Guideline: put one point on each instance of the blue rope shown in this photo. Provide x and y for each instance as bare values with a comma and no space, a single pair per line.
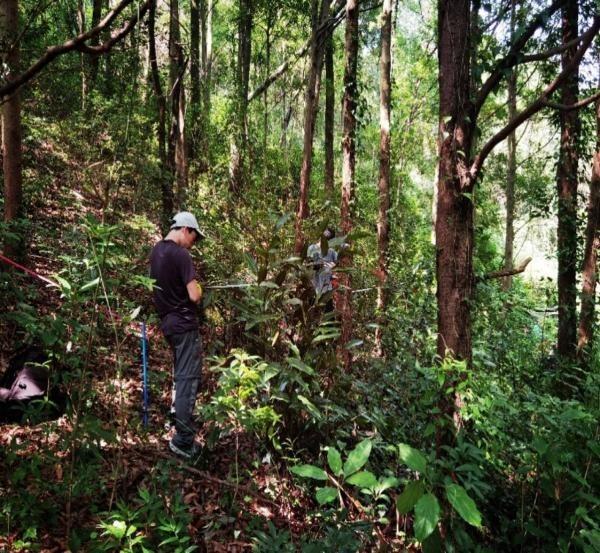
144,375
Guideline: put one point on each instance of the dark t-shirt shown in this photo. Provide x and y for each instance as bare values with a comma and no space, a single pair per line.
172,268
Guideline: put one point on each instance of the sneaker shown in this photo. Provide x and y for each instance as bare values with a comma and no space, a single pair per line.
185,453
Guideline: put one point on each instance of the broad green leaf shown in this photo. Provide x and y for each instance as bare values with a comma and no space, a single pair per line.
326,495
364,479
412,457
387,482
300,365
540,445
334,460
408,498
309,471
357,457
427,515
269,284
64,284
463,504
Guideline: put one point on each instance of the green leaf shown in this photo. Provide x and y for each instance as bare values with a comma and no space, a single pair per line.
309,471
300,365
310,407
334,460
354,344
357,457
364,479
412,457
90,284
427,515
408,498
433,543
463,504
326,495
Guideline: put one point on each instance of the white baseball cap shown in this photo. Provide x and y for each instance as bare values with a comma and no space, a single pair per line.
186,219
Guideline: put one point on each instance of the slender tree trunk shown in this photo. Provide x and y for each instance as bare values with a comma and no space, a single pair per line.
195,94
206,8
271,18
95,60
511,170
311,106
108,84
383,224
82,61
348,173
161,106
567,197
240,135
177,154
11,122
590,257
329,115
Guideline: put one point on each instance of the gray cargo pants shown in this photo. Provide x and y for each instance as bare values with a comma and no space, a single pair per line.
187,363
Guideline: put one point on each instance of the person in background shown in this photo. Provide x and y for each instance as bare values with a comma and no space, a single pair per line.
323,259
176,296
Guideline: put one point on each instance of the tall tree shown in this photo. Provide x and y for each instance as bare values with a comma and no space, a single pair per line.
206,12
329,115
11,118
460,166
240,134
590,257
195,92
176,151
348,172
161,108
511,163
383,223
311,105
566,182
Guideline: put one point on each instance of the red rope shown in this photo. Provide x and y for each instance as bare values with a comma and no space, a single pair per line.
26,270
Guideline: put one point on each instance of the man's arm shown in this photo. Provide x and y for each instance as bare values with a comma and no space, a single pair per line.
194,291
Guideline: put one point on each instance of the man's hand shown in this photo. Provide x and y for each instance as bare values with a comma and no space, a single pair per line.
194,291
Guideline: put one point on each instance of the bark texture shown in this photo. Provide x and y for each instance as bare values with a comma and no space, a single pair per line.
454,218
11,119
329,115
590,257
348,173
566,181
195,95
383,223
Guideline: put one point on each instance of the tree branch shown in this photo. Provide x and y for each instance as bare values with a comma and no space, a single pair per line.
76,43
540,56
327,27
511,57
578,105
506,272
537,105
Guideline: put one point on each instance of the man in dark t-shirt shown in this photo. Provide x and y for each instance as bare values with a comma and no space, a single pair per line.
176,295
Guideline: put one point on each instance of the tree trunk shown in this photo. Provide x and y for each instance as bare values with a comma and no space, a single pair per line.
348,174
240,134
567,196
383,224
311,105
454,218
177,155
195,96
590,257
82,61
11,123
95,60
511,169
161,105
329,115
206,8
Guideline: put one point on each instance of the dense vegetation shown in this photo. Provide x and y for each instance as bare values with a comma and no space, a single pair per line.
450,402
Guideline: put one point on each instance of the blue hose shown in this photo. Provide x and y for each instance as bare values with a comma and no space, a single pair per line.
144,376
